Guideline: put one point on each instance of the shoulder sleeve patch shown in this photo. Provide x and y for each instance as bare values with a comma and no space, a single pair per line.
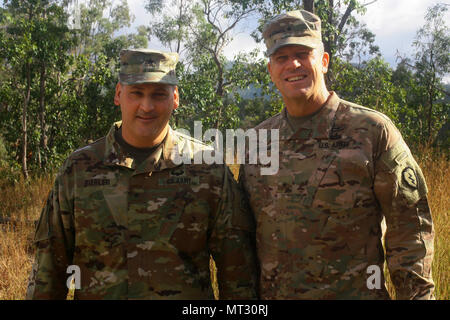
400,163
409,177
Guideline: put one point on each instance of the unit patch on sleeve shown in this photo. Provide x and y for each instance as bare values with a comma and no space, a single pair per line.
409,177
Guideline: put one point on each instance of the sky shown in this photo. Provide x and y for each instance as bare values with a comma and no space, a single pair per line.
394,23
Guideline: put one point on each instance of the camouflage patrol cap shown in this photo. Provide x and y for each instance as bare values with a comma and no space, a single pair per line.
295,27
147,66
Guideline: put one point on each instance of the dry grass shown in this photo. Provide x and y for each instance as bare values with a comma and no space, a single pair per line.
24,201
436,168
20,205
15,259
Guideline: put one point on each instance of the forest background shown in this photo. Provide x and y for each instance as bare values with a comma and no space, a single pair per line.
59,67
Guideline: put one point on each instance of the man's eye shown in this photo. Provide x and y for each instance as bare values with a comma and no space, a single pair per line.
303,55
138,93
281,58
160,95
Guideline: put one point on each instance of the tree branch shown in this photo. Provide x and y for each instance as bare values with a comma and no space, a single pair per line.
348,11
207,12
367,4
308,5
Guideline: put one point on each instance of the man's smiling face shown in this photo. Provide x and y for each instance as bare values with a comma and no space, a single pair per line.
146,109
298,71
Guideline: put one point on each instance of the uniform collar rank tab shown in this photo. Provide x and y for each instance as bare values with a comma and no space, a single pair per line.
318,128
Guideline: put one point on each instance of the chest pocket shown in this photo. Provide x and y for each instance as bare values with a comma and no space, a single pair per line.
154,211
347,183
319,168
176,214
283,200
345,196
300,176
100,212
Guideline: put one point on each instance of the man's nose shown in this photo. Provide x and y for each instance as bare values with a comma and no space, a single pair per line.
146,104
295,62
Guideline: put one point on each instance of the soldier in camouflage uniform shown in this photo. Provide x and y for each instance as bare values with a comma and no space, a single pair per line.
136,223
343,167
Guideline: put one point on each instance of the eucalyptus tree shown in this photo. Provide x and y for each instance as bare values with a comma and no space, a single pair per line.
35,40
432,65
201,30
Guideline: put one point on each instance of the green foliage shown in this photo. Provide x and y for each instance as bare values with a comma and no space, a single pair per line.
265,101
368,85
9,171
3,153
423,99
171,27
432,63
200,101
208,82
72,74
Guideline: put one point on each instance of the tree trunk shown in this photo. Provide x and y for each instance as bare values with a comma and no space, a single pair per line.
430,114
308,5
24,123
180,15
43,142
431,94
332,38
220,87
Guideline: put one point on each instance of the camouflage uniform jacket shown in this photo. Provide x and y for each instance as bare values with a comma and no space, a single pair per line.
318,219
143,232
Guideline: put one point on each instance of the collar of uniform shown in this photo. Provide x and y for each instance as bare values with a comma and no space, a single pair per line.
113,152
173,143
163,157
160,159
317,127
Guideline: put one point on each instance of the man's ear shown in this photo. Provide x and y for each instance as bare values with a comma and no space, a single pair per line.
325,62
176,98
117,94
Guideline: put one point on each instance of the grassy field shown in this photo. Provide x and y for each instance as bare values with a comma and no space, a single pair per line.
20,206
437,174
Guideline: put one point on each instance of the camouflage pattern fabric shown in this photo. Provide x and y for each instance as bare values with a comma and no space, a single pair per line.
318,220
298,27
143,232
147,66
